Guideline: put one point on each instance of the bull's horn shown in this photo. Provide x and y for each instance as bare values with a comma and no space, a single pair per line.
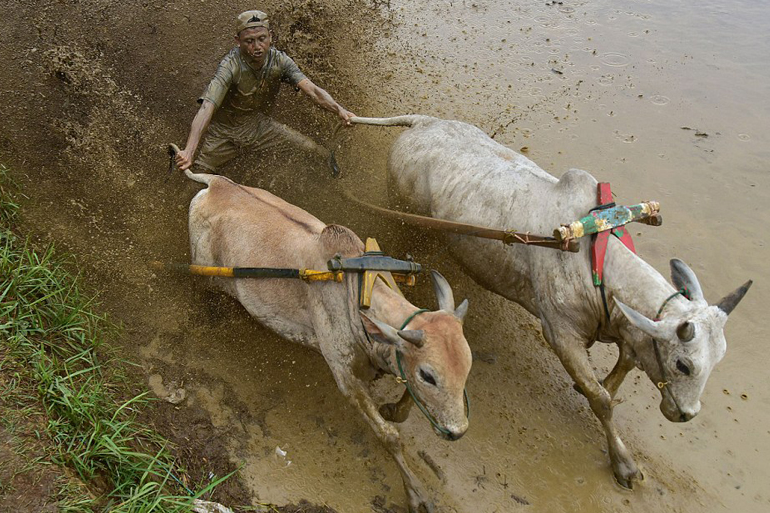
684,278
685,331
462,310
444,295
412,336
730,301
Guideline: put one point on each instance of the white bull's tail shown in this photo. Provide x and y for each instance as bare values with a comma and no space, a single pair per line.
408,120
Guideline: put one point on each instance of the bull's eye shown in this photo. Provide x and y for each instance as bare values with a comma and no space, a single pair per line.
681,367
427,378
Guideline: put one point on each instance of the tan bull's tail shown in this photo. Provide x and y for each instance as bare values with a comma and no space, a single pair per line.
408,120
205,178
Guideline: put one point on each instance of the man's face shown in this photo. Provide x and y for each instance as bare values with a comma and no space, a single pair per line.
254,43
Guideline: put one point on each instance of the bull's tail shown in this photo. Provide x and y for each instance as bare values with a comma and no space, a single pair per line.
205,178
408,120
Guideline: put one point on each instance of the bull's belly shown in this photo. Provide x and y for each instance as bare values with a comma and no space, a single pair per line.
278,304
497,268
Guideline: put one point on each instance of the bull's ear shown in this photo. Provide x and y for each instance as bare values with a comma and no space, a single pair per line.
444,295
380,331
462,310
729,302
654,329
684,278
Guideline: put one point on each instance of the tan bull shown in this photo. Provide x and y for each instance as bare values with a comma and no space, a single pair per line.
236,226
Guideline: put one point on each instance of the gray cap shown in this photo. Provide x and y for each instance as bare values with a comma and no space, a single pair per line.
249,19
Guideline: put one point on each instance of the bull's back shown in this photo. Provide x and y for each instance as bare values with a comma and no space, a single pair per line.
445,163
236,226
452,170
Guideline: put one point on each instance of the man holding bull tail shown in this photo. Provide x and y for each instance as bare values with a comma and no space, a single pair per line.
235,107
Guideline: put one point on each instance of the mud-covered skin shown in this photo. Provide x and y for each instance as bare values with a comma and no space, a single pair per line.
235,226
452,170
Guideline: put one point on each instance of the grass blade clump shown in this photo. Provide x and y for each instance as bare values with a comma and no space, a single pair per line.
52,342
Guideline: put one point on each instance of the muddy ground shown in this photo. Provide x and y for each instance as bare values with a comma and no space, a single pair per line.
93,90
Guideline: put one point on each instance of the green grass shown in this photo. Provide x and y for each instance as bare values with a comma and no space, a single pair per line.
57,364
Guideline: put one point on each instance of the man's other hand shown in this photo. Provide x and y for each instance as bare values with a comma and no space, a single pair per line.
345,116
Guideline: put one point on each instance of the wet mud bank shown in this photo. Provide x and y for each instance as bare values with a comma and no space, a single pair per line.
92,92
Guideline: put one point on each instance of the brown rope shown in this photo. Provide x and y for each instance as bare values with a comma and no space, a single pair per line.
506,236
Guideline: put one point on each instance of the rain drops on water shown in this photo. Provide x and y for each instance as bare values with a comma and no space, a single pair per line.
614,59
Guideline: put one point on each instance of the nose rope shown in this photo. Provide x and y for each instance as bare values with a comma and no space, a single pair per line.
411,392
664,384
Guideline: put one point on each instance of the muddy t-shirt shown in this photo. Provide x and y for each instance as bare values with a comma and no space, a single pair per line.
237,88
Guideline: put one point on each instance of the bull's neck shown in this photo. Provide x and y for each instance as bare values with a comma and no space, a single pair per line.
634,282
393,309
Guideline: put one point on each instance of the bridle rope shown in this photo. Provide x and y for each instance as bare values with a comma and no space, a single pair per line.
402,379
664,384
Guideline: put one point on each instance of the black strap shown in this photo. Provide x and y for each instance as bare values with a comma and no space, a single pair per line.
602,207
604,301
264,272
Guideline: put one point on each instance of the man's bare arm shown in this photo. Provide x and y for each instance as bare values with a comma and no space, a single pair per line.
324,100
184,159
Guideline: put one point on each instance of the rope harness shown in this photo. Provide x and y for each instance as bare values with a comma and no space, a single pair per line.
402,379
663,384
598,252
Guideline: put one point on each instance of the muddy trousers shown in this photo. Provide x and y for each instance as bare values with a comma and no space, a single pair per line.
229,138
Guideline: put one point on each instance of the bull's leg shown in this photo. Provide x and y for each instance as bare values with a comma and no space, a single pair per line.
358,394
618,373
570,350
397,412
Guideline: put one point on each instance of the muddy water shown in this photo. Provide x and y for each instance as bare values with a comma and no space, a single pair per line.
606,87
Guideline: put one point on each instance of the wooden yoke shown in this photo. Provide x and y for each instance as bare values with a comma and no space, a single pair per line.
366,283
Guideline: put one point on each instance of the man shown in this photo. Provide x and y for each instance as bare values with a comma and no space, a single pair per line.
235,107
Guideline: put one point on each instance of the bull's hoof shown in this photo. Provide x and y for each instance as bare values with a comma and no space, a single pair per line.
629,481
333,165
426,507
417,505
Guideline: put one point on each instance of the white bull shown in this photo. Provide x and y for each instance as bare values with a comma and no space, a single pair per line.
452,170
236,226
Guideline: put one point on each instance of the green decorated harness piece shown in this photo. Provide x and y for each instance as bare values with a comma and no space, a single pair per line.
608,219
